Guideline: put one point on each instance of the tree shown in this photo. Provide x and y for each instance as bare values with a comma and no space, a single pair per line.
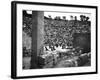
75,18
84,17
87,18
64,17
81,17
71,17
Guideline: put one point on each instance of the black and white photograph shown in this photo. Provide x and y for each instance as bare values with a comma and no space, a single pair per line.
53,39
56,39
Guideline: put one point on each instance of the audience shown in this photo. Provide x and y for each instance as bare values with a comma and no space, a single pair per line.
58,33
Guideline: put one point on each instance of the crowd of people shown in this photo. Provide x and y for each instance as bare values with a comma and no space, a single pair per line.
59,31
58,36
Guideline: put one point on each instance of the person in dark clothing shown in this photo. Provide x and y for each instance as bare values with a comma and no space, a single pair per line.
82,60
